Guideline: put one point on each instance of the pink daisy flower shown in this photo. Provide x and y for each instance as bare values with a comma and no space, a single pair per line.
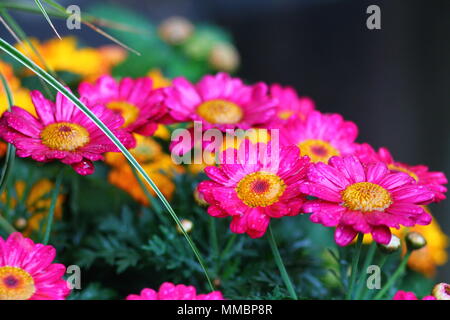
170,291
221,102
366,199
61,132
139,105
407,295
289,105
27,271
320,136
254,189
433,180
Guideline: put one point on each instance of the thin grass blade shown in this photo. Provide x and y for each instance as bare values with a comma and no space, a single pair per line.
38,3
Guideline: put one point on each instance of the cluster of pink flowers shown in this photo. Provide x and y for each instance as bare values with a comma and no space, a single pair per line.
320,168
170,291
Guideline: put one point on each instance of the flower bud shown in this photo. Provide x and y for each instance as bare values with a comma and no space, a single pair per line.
414,241
175,30
441,291
187,225
224,57
199,198
217,282
392,246
20,223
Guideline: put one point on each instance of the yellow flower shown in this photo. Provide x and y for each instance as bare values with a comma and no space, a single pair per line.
204,159
147,150
200,161
21,96
254,135
124,178
64,55
159,81
37,203
162,132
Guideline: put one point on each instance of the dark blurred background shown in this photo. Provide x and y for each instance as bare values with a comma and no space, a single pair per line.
394,82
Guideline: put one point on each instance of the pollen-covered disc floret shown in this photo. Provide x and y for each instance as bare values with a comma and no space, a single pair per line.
15,284
252,190
135,100
220,101
64,136
366,197
170,291
318,150
260,189
62,132
218,111
357,198
27,271
320,136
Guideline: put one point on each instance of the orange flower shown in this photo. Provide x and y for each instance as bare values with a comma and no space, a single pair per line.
158,165
124,178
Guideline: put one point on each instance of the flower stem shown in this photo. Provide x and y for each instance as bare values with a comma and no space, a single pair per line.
280,264
228,246
51,210
369,257
355,265
366,293
393,278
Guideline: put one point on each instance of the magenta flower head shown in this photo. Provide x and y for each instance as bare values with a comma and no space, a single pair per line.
220,102
320,136
170,291
61,132
435,181
134,100
357,198
289,105
407,295
252,189
27,271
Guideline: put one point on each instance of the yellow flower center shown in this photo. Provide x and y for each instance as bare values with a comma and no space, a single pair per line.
393,167
128,111
64,136
260,189
317,150
15,284
220,111
366,197
285,114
